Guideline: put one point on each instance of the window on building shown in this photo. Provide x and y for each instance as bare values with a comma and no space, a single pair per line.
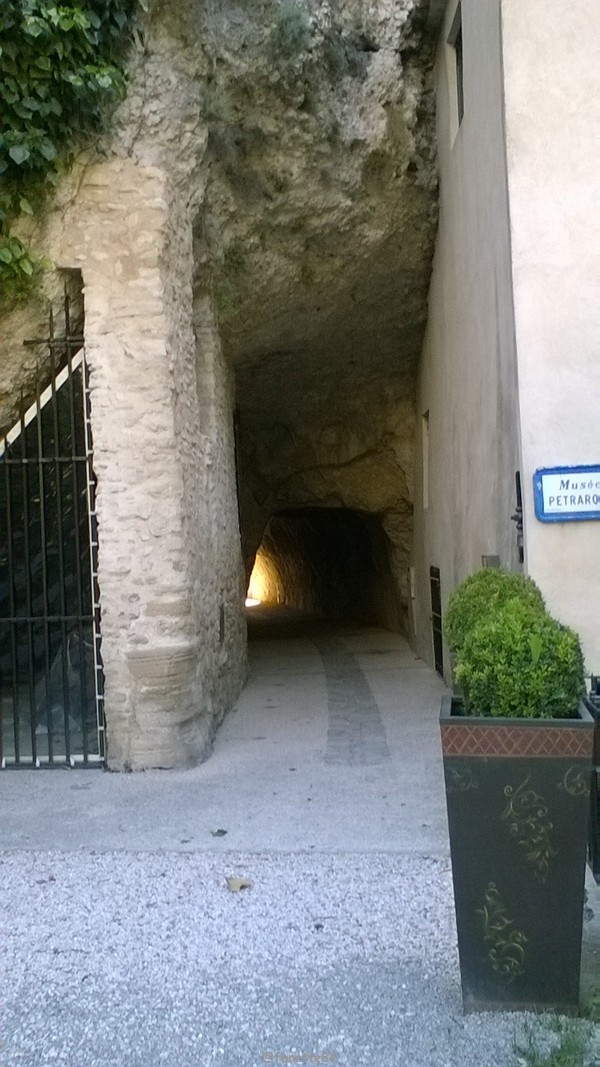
455,40
436,619
425,457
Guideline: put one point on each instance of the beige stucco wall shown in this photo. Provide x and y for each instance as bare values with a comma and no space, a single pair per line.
467,380
552,64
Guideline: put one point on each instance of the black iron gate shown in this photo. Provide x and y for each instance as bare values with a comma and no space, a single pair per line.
50,668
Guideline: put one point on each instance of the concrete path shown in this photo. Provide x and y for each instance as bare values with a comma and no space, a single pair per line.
122,944
332,746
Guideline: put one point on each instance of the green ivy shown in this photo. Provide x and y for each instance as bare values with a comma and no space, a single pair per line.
62,68
17,267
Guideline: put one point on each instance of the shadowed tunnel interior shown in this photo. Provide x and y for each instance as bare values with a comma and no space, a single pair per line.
329,563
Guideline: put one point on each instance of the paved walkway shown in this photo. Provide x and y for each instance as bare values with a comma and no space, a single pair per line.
332,746
123,947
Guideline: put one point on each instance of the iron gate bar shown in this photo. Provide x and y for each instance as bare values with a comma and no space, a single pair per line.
45,396
75,486
30,659
25,566
48,461
45,601
61,566
435,590
49,618
13,637
90,488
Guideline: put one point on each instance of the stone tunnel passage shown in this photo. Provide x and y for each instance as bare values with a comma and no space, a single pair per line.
329,563
293,195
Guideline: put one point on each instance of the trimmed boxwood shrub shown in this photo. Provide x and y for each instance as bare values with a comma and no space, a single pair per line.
483,593
519,662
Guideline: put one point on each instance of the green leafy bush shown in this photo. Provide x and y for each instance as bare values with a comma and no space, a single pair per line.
518,661
483,593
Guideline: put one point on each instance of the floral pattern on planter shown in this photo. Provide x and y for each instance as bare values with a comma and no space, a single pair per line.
575,782
527,817
461,781
503,941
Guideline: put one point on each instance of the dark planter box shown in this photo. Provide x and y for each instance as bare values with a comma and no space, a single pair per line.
518,796
593,704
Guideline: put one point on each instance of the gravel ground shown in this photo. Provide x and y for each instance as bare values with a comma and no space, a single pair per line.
140,959
123,947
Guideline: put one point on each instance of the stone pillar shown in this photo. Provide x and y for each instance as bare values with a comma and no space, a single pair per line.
133,240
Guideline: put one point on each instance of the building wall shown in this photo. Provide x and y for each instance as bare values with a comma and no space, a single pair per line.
551,63
467,380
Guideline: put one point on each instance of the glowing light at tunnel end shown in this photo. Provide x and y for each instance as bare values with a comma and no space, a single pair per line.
259,582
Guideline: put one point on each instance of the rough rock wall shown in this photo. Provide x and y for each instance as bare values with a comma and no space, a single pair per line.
214,519
318,223
319,206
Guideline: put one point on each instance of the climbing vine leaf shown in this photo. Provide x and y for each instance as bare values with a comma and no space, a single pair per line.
62,68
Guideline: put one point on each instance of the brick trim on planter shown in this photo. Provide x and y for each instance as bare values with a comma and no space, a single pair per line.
466,736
